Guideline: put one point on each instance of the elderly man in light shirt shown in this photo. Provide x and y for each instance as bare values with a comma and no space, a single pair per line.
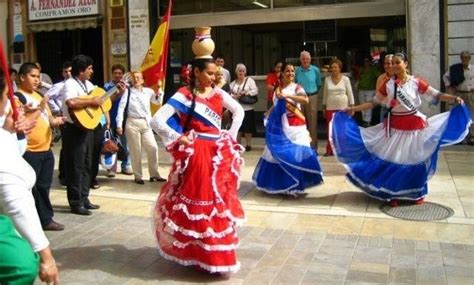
462,85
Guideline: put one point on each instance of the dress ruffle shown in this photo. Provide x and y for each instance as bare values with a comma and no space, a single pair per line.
198,208
396,166
288,164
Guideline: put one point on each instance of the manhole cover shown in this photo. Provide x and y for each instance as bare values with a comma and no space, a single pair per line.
425,212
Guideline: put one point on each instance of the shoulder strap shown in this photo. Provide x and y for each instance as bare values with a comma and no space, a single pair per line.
21,97
245,82
128,100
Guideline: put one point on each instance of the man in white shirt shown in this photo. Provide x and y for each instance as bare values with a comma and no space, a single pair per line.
78,142
55,101
56,93
459,80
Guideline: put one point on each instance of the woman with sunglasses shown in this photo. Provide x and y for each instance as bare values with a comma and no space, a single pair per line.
394,160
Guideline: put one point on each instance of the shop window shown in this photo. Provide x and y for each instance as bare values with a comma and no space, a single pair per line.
183,7
295,3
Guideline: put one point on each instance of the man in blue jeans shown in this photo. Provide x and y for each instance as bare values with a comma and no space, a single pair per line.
309,77
118,71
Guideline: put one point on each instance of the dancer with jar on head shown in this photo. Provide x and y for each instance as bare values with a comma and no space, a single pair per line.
394,160
198,208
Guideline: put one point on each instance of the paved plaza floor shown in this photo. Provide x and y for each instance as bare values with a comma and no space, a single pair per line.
334,235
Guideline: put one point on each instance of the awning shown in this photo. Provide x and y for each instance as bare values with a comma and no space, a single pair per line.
65,24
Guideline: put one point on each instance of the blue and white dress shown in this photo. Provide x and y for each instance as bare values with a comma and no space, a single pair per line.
395,159
288,164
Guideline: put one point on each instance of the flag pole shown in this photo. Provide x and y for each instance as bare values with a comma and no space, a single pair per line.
8,82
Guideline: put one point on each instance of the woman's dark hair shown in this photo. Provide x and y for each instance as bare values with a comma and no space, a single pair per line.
80,63
201,64
66,65
26,67
275,64
402,55
283,67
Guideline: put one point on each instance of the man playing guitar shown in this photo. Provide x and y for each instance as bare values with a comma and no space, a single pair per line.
78,142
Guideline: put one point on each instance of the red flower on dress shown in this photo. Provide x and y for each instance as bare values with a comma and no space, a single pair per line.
393,103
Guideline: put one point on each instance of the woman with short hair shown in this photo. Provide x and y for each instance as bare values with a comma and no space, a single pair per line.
240,87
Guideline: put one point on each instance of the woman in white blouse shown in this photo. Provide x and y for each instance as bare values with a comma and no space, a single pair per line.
245,86
337,95
135,106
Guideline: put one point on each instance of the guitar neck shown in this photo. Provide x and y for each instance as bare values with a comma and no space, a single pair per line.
109,93
114,89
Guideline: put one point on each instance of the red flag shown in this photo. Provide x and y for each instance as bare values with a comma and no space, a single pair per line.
155,62
6,74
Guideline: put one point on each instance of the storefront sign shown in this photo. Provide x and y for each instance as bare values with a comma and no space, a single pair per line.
51,9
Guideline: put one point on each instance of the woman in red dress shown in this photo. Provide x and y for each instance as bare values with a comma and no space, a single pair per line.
198,208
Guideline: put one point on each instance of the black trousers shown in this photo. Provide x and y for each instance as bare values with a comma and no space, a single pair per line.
98,138
43,164
62,166
78,144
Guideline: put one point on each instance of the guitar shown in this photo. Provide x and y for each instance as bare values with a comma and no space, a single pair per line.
89,117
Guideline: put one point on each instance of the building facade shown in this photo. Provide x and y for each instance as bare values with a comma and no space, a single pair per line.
255,33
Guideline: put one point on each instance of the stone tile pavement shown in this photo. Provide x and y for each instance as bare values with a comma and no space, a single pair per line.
334,235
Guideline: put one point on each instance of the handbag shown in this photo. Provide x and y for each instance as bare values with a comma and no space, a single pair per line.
247,99
122,153
109,146
108,160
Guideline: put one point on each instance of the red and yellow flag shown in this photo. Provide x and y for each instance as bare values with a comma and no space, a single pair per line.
155,62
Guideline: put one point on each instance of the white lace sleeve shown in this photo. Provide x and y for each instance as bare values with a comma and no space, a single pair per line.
160,126
237,113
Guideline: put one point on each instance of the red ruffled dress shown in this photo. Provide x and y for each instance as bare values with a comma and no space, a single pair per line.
198,208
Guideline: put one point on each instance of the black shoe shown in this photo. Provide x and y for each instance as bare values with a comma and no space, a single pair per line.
91,206
248,148
79,210
157,179
53,226
139,181
95,185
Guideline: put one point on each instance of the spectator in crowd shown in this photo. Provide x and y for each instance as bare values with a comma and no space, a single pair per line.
13,75
337,95
221,62
118,72
245,86
273,77
38,152
45,81
133,120
308,76
366,85
18,263
55,100
459,80
383,79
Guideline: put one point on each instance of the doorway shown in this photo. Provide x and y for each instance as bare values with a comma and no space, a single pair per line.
54,48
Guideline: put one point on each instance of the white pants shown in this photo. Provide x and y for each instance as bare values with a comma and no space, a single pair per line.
366,96
140,136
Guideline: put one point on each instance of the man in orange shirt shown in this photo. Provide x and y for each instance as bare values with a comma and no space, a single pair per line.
38,152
